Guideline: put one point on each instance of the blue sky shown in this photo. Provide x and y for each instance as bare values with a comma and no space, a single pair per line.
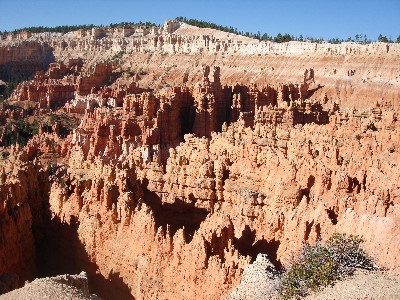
334,18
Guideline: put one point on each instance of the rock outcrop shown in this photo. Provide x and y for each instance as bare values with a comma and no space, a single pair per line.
354,75
174,181
20,59
59,287
259,281
23,193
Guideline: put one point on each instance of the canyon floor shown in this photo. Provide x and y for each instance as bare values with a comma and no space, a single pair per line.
161,160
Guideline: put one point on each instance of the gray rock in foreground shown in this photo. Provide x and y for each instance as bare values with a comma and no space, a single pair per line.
259,280
59,287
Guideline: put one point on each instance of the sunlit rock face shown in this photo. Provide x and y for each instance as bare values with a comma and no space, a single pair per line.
193,151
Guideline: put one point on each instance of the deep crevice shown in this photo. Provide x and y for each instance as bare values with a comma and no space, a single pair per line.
333,216
247,245
177,215
61,252
309,226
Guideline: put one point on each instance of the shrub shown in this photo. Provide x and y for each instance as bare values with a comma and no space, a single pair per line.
5,154
348,253
321,265
21,134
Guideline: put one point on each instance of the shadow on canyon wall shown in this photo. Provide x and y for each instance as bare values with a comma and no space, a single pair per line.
22,68
176,215
247,245
61,252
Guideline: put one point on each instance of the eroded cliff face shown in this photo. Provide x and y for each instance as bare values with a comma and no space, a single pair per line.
354,75
23,191
169,192
22,60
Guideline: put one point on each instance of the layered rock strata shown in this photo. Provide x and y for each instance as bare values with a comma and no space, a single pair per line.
169,192
355,75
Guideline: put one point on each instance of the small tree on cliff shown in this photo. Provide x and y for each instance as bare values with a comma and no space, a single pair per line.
382,38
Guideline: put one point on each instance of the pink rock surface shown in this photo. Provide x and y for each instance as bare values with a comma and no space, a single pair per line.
175,180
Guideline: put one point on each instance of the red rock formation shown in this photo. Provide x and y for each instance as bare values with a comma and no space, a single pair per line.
91,83
169,192
23,58
279,183
47,89
60,83
22,191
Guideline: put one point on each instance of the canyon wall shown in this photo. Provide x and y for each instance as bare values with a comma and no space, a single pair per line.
220,201
24,193
21,60
188,164
354,75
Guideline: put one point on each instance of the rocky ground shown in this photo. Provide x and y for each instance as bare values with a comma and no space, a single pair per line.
60,287
260,281
363,285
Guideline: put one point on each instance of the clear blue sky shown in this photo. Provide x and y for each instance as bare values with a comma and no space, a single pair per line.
316,18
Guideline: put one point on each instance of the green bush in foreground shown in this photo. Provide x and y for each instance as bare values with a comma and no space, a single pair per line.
320,265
